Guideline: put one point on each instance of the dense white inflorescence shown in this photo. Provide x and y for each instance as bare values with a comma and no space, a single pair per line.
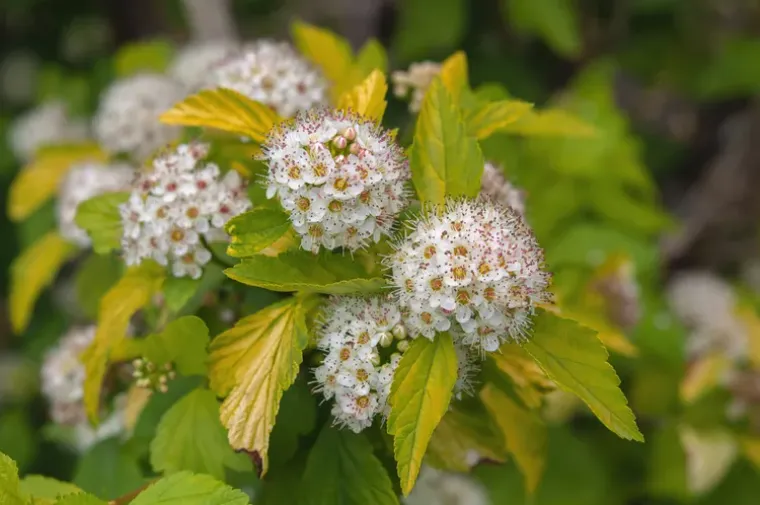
340,176
195,64
127,117
48,124
475,270
274,74
84,181
176,206
437,487
63,376
417,80
496,187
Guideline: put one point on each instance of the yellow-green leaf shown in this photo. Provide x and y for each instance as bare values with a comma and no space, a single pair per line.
445,160
252,364
494,116
704,375
10,494
226,110
144,56
529,381
368,97
523,431
100,217
45,490
133,291
550,123
454,75
372,56
328,51
39,180
574,358
750,446
420,396
31,271
255,230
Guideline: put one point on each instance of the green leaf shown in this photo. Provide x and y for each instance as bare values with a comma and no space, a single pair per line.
184,488
445,161
367,98
252,364
342,469
95,277
149,56
190,437
426,26
45,490
255,230
732,72
328,51
372,56
574,358
296,417
107,471
183,342
555,21
100,217
79,499
303,271
420,396
184,295
10,494
491,117
18,438
550,123
31,271
158,405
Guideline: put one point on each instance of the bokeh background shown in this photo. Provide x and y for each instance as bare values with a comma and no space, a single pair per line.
668,187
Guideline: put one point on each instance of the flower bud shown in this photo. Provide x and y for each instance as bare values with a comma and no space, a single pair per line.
399,331
340,142
386,339
402,346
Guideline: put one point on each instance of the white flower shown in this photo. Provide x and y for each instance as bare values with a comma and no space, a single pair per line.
353,374
196,63
475,269
176,206
127,117
274,74
84,181
495,186
339,175
417,79
48,124
63,375
437,487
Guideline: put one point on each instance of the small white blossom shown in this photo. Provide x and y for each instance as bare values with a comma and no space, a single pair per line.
46,125
196,63
353,373
274,74
495,186
176,206
127,117
63,376
340,176
84,181
437,487
475,270
417,79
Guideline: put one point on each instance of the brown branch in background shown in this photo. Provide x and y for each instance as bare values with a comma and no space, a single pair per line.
124,500
210,20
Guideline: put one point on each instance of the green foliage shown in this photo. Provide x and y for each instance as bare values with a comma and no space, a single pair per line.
183,343
107,471
100,217
252,232
149,56
95,277
429,25
9,483
555,21
185,488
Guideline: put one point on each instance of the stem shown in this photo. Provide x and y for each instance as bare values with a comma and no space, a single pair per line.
123,500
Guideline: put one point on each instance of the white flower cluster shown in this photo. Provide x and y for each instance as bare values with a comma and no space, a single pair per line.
48,124
354,372
437,487
706,304
417,79
127,117
84,181
194,65
496,187
475,270
63,376
176,205
341,177
274,74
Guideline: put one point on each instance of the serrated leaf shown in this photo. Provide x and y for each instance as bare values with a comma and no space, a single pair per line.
93,280
185,488
252,364
550,123
255,230
328,51
420,396
455,77
78,499
39,180
445,161
100,218
108,471
342,468
45,490
493,116
523,430
10,493
226,110
574,358
372,56
368,97
35,268
130,294
190,437
147,56
528,379
303,271
183,342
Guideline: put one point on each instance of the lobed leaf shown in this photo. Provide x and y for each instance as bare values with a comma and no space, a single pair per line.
574,358
420,396
185,488
226,110
491,117
100,218
255,230
10,492
45,490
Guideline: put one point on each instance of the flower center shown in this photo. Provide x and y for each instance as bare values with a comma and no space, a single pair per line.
429,252
294,172
320,170
460,250
345,353
363,337
484,268
340,184
459,273
489,294
463,297
316,230
362,402
177,235
426,317
303,203
335,206
436,284
192,212
362,375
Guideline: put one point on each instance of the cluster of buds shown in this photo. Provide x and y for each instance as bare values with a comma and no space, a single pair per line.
148,375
